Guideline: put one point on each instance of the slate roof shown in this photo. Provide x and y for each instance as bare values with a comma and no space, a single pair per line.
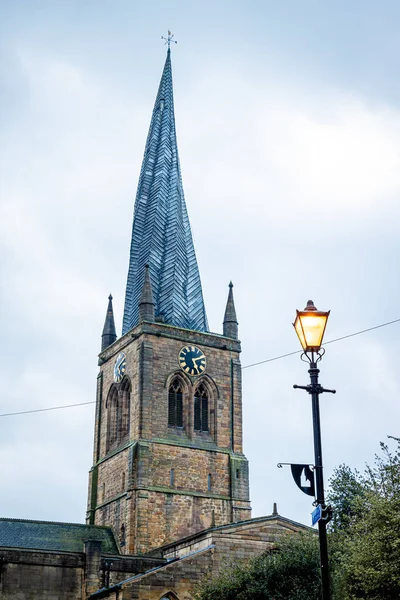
46,535
161,234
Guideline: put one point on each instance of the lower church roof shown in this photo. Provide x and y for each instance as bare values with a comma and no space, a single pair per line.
48,535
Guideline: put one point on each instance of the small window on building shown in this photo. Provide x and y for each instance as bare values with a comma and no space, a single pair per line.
172,477
209,481
122,535
103,492
175,404
201,409
237,474
123,482
169,596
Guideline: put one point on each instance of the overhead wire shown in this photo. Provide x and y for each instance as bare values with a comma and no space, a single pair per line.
26,412
343,337
261,362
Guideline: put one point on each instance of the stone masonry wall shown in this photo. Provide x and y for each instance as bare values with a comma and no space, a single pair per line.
164,517
191,469
113,477
244,542
175,580
40,575
176,479
151,359
28,575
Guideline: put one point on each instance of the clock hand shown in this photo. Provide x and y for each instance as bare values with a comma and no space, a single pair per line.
201,358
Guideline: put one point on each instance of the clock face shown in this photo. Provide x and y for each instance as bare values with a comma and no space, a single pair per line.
192,360
119,367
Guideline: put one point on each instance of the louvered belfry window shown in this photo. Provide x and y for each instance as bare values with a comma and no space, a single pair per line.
175,404
201,409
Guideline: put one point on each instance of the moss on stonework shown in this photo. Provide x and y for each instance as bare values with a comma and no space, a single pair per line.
46,535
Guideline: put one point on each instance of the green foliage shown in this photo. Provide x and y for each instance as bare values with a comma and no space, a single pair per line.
365,543
371,565
346,496
384,477
288,572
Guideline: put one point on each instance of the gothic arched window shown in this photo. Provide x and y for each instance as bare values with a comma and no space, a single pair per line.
201,408
125,409
169,596
175,404
112,418
118,414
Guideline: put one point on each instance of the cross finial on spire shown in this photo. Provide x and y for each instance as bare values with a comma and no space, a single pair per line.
169,39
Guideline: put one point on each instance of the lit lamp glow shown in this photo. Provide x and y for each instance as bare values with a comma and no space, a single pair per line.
310,327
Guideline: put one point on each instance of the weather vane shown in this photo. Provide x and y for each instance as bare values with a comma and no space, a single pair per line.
169,39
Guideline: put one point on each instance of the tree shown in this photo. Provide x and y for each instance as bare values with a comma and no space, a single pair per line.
365,543
290,571
346,496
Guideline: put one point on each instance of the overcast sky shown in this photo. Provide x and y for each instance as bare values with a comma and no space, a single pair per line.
288,122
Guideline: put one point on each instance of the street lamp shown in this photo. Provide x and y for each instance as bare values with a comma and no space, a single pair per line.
310,327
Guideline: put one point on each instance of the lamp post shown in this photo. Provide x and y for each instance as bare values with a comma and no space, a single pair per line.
310,327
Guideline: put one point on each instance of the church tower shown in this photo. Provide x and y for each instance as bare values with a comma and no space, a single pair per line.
168,458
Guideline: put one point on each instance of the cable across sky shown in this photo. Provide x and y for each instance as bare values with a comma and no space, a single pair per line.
261,362
344,337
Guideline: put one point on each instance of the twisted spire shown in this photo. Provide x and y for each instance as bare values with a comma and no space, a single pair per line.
146,304
161,235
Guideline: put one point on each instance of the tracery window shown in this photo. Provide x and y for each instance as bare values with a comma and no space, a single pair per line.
118,414
112,418
201,408
175,404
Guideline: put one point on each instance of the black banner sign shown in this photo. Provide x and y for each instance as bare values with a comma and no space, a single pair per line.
304,478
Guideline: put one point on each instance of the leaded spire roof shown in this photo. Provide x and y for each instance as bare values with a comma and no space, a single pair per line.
161,235
146,302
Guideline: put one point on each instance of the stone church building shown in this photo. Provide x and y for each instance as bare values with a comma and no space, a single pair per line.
168,498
